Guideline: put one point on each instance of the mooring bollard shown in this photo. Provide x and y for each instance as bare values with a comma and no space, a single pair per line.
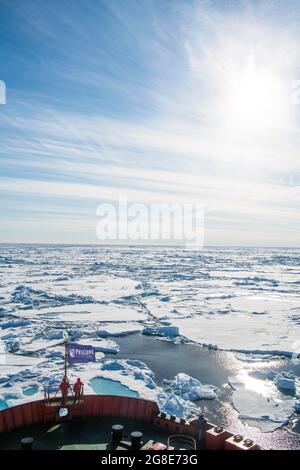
117,433
136,440
27,443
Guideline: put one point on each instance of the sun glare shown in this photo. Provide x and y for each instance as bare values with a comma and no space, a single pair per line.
255,98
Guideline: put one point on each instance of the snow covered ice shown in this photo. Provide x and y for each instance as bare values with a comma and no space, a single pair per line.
262,412
170,331
171,404
264,398
190,388
242,300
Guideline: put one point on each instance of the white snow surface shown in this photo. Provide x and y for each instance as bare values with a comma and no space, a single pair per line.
87,312
237,299
161,331
242,299
171,404
189,388
284,381
263,412
101,344
264,398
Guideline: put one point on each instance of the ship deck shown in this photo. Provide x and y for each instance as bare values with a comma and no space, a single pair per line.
93,433
88,425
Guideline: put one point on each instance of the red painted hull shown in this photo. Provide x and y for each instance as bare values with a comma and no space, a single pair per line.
116,406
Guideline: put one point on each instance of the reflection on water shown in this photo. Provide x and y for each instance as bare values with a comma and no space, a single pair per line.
212,367
265,388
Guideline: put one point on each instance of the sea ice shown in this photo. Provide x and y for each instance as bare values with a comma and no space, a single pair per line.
40,345
96,286
284,383
92,294
260,411
189,388
107,346
122,329
132,373
172,404
259,402
14,324
161,331
137,369
87,312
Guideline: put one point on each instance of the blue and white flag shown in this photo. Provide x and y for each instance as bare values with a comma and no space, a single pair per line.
80,353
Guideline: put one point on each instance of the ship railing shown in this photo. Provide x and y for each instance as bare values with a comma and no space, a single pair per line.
52,395
181,441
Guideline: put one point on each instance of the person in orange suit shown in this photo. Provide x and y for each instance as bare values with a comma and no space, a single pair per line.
78,389
64,388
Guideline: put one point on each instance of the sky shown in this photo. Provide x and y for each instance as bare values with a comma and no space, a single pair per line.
156,101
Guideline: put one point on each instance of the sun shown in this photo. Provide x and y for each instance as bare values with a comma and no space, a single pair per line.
255,97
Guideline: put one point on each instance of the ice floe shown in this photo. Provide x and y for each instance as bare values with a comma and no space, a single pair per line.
284,381
189,388
259,397
119,329
87,312
107,346
161,331
242,300
97,287
172,404
30,297
260,411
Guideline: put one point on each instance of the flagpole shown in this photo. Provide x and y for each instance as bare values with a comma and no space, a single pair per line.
66,353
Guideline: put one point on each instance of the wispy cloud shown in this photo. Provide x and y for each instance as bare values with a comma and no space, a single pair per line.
138,101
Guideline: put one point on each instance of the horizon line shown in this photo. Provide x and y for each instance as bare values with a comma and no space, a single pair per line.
116,245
